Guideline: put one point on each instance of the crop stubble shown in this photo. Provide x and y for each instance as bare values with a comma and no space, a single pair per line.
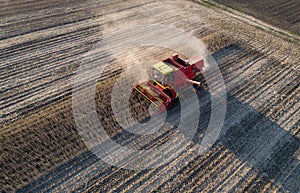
38,132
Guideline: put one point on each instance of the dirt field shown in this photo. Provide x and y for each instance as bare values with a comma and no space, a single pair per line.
41,44
282,13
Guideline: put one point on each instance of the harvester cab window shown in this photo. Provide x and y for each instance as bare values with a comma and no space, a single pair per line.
158,75
169,79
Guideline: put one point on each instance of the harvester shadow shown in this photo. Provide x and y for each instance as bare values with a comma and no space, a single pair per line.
264,146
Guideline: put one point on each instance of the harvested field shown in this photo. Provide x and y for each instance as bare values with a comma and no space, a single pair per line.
41,45
282,13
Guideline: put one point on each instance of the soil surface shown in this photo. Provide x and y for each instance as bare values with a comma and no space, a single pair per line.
41,46
282,13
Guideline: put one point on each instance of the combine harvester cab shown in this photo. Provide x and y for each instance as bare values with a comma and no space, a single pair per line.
168,76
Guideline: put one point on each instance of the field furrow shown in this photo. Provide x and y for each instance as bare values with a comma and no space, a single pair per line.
42,47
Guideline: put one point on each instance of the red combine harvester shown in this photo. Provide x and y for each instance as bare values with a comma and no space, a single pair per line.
168,76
